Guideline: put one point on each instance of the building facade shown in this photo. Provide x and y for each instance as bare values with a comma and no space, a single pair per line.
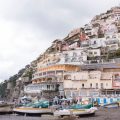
93,83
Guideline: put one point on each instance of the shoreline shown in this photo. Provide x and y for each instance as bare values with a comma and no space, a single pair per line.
101,114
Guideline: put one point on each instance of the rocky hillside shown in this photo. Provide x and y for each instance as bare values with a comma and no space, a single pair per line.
13,87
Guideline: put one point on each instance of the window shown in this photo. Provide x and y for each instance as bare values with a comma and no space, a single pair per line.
96,85
57,48
90,53
101,85
44,73
65,55
48,86
90,85
82,85
94,42
74,54
95,52
40,74
107,37
53,86
114,36
106,84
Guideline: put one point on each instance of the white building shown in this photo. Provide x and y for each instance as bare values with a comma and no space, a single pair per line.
38,88
94,52
97,42
76,57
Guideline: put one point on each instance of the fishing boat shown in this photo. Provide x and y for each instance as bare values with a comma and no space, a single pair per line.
79,110
81,106
38,108
32,111
111,105
6,108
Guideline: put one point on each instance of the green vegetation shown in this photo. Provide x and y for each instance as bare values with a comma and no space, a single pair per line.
3,87
12,79
115,54
28,73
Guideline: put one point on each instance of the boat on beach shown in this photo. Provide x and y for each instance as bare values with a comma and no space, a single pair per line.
111,105
38,108
79,110
6,108
32,111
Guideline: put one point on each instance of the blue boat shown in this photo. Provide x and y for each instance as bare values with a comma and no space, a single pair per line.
111,105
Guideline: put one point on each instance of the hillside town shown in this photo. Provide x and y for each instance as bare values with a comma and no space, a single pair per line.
81,69
84,63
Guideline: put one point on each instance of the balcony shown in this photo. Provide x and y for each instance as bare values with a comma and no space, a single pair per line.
37,88
80,79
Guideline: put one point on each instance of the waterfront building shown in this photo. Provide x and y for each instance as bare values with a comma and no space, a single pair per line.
48,81
93,82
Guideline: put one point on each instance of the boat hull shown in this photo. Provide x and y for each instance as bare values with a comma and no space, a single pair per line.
111,105
32,111
6,110
78,112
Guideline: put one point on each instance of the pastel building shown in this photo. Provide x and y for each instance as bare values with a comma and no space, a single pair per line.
74,57
97,43
91,82
48,81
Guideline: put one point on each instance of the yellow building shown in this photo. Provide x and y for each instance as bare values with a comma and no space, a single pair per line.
44,74
50,80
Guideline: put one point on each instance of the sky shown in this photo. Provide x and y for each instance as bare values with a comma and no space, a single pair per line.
27,27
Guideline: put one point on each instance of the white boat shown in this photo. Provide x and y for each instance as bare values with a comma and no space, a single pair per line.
78,112
32,111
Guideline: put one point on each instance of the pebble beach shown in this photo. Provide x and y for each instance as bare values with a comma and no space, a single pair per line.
101,114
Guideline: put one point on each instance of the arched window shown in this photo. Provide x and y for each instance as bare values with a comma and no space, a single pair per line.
82,85
96,85
90,85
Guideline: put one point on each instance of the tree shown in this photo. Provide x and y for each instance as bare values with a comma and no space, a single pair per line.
117,53
3,87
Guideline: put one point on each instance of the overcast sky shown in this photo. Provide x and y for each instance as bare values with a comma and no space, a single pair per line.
27,27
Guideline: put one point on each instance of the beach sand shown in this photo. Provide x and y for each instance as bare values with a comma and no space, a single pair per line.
101,114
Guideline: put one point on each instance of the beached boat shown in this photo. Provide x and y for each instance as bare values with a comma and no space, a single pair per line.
78,112
32,111
76,109
81,106
38,108
6,108
111,105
